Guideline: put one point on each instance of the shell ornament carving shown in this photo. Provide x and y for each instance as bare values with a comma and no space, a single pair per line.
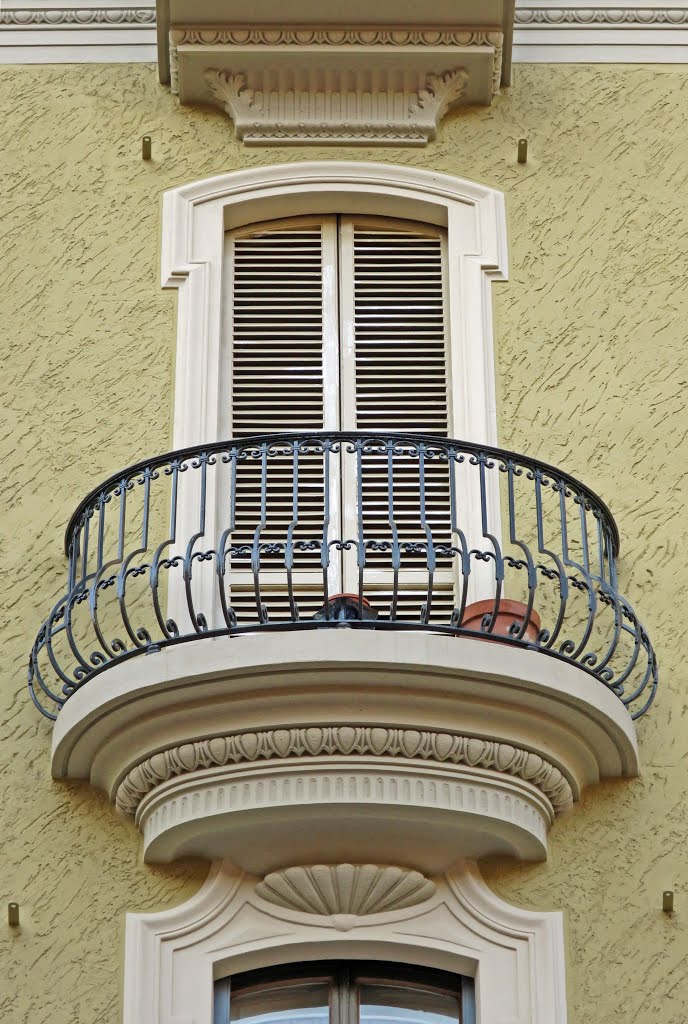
349,889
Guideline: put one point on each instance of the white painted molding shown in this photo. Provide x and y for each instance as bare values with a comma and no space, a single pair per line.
70,32
440,747
263,815
392,114
591,32
195,217
545,31
515,955
373,85
358,889
213,742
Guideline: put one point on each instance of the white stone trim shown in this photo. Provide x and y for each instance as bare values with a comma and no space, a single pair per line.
195,217
292,79
261,815
354,889
515,955
398,115
344,740
456,718
67,32
637,31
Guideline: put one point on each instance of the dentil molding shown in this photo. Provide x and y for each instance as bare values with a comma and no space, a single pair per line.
453,922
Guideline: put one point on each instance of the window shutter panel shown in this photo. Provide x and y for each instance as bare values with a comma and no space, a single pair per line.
284,368
395,377
297,364
399,330
277,330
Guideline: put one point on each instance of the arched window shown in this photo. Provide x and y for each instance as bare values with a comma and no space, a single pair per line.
345,992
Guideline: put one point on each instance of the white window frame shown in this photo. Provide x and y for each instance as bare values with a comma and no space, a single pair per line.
195,219
516,956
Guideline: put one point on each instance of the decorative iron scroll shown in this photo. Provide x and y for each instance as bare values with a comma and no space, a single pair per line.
264,533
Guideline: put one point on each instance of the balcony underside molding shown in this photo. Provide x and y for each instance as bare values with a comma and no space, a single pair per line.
358,809
365,85
342,740
343,744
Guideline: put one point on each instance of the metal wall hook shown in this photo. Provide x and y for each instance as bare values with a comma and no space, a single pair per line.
668,901
146,147
13,915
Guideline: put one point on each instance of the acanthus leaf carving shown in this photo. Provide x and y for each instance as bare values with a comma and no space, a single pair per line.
346,107
440,93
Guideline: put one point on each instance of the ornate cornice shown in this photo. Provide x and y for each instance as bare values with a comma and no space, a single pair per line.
357,889
228,35
348,741
585,17
374,85
74,17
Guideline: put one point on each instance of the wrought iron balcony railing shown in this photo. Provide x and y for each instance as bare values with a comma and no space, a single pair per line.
314,531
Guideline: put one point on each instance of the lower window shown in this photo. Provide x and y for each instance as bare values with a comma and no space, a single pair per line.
345,992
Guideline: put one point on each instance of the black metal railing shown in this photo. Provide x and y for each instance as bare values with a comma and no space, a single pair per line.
307,531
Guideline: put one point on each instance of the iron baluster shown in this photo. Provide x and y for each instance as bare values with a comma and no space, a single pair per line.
325,542
513,537
482,462
139,637
255,551
228,613
430,560
72,645
562,580
289,549
396,550
360,543
168,627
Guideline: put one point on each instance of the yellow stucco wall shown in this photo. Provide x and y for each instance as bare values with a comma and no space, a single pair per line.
590,334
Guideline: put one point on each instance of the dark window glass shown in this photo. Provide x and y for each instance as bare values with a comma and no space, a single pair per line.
328,992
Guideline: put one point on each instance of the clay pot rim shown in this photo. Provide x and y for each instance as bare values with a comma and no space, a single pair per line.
354,597
506,607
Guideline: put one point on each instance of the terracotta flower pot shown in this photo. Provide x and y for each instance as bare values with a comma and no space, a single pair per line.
350,597
345,608
508,613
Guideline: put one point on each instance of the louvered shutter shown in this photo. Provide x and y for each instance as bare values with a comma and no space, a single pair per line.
338,323
282,307
395,377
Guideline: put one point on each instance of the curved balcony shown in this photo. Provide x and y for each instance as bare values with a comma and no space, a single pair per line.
312,604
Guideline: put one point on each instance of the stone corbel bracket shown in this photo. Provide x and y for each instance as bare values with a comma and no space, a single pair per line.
353,113
356,86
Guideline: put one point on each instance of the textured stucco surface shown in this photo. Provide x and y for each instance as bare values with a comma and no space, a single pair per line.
590,334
